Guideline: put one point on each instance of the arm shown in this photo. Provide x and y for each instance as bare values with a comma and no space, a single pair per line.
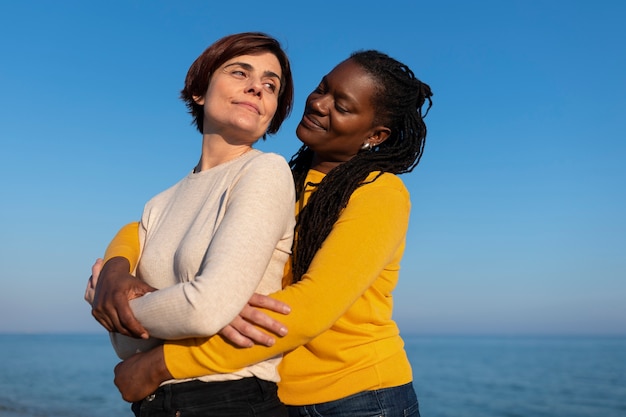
371,228
125,246
242,331
257,220
369,231
115,285
141,374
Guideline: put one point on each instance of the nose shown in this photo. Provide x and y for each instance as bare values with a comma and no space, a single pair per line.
255,86
319,104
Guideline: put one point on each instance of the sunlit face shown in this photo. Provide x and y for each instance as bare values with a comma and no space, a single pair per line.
242,98
339,114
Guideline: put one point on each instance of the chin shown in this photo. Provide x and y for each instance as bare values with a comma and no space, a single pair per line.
304,133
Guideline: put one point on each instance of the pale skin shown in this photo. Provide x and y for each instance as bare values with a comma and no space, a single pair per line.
239,104
243,331
160,370
337,122
240,331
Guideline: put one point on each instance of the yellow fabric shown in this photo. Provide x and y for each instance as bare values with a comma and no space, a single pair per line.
125,244
342,339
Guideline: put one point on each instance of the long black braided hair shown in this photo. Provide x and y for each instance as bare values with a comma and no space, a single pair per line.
398,102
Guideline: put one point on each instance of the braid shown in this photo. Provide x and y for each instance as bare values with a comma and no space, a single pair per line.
398,104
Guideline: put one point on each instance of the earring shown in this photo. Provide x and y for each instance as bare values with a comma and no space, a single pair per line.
366,146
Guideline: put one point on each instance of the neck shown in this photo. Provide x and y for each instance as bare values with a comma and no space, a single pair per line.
216,151
324,166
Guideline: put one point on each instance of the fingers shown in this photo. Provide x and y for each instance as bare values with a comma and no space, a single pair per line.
263,301
96,268
141,374
90,290
243,334
129,322
116,316
233,336
138,288
105,313
103,320
259,318
114,287
93,280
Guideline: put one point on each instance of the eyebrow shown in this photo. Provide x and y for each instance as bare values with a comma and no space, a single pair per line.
342,95
249,67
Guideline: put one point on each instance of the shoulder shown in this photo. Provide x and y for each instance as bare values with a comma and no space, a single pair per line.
270,165
267,170
386,181
386,192
267,159
380,194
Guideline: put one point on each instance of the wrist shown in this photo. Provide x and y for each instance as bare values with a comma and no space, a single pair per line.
159,371
117,264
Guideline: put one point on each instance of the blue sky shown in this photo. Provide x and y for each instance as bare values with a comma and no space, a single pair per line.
518,223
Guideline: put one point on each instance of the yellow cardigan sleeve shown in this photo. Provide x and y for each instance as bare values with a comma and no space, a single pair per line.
364,239
125,244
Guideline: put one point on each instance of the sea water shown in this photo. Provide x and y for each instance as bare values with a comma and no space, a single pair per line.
519,376
470,376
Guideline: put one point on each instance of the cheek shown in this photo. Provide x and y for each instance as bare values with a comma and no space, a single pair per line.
348,135
271,109
347,127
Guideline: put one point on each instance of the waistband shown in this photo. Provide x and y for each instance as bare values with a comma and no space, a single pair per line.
214,390
218,395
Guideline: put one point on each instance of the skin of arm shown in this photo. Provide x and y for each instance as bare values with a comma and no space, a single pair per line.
259,212
124,250
116,286
376,224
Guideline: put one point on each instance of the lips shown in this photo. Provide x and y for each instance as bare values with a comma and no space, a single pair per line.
253,107
311,122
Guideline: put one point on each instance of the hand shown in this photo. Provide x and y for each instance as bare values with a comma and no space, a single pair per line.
141,374
114,287
93,280
242,331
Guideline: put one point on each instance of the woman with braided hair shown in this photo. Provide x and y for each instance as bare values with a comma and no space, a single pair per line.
362,127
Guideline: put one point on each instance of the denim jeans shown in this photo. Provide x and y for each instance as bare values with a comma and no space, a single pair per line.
388,402
244,397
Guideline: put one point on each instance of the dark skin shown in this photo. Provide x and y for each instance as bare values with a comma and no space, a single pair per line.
136,386
110,302
112,285
338,118
337,121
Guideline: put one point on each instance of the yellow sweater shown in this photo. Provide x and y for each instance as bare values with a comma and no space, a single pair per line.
342,339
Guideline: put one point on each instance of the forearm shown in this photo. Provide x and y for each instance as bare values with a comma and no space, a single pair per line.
320,299
116,287
203,356
125,244
141,374
314,311
243,255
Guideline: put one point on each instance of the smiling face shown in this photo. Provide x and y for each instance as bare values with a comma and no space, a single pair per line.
242,98
339,116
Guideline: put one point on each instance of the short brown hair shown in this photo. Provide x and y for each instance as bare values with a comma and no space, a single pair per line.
247,43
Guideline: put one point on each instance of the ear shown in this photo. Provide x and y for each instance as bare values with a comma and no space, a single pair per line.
380,134
199,100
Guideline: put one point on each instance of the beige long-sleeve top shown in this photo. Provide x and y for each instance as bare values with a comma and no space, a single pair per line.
208,243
